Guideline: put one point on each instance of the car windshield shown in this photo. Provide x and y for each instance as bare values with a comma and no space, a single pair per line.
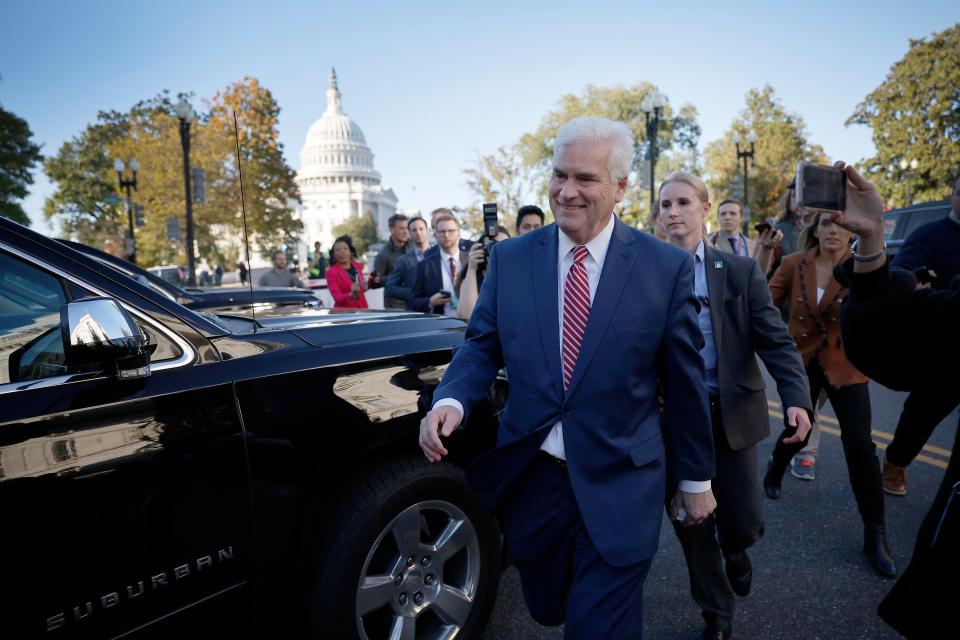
889,224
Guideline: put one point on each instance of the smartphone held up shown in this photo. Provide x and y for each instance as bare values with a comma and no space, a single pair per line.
821,188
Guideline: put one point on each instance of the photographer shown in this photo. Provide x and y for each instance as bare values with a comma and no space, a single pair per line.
470,277
884,303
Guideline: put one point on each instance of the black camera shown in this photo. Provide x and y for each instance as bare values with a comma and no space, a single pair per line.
489,227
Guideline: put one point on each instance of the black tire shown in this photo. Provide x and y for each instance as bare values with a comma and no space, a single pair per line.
364,535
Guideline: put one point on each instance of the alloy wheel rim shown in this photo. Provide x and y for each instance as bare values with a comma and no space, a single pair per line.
420,578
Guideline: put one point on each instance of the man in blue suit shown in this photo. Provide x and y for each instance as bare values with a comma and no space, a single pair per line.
592,319
434,285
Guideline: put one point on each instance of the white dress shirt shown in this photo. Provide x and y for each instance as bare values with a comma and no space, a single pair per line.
597,250
450,308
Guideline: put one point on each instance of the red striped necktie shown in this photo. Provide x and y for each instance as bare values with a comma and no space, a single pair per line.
576,310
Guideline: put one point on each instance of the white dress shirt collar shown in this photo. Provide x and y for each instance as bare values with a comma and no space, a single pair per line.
596,247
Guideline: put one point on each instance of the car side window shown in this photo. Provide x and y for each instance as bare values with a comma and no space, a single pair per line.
889,224
30,344
920,218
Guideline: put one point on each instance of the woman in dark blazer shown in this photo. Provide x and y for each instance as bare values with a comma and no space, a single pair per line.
805,279
345,276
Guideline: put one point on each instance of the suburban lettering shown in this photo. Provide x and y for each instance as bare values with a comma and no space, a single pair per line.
55,622
138,589
78,616
131,595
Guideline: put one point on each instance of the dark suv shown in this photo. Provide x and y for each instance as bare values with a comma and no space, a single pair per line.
169,471
898,224
217,299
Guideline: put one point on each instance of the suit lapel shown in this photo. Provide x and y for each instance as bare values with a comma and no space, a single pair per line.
547,305
716,290
616,268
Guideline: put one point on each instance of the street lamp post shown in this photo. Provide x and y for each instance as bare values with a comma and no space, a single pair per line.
912,165
185,113
745,155
130,185
652,106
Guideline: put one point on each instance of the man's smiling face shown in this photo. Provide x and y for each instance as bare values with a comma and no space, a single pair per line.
582,191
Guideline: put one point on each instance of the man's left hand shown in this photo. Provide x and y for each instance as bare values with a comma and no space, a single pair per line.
797,417
697,505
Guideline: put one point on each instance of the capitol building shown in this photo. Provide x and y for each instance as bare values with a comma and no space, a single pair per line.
337,180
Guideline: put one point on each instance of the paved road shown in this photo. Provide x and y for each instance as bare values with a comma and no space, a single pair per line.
811,580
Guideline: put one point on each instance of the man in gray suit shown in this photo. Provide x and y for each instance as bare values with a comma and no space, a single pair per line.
739,322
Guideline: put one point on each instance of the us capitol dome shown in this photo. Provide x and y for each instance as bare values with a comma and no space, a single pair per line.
337,180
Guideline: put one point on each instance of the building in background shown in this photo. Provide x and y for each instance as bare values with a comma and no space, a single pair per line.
337,180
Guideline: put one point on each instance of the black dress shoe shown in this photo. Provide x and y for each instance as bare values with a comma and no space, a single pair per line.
875,548
739,572
716,634
771,481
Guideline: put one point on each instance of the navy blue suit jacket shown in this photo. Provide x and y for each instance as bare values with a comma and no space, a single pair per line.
429,281
642,332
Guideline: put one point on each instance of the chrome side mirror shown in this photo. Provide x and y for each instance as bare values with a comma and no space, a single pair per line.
99,333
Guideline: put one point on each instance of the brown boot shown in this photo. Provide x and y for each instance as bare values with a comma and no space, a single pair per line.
894,479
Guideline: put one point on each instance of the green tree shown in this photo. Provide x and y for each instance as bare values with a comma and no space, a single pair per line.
87,205
677,137
915,115
18,155
781,143
361,229
499,177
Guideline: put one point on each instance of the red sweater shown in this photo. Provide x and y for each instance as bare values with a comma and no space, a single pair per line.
339,283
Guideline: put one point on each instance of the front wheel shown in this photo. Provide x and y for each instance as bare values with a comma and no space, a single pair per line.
412,556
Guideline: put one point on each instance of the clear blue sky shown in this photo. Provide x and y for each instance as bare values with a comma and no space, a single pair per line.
433,83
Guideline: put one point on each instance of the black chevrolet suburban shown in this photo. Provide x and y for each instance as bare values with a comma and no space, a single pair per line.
165,470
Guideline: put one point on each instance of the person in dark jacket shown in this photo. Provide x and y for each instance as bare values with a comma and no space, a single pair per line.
933,247
884,302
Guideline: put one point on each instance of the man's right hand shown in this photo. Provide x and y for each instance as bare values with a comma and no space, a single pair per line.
440,421
438,300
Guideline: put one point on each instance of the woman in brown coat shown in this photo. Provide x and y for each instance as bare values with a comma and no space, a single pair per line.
805,279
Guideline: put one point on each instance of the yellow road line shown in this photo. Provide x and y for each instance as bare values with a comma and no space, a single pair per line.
880,434
883,445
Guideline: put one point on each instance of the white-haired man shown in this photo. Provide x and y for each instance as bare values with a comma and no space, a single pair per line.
578,474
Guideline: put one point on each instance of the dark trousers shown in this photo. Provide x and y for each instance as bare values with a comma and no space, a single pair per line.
851,403
564,578
735,525
922,603
923,410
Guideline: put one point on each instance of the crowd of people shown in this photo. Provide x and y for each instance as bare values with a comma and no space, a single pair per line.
648,386
667,401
